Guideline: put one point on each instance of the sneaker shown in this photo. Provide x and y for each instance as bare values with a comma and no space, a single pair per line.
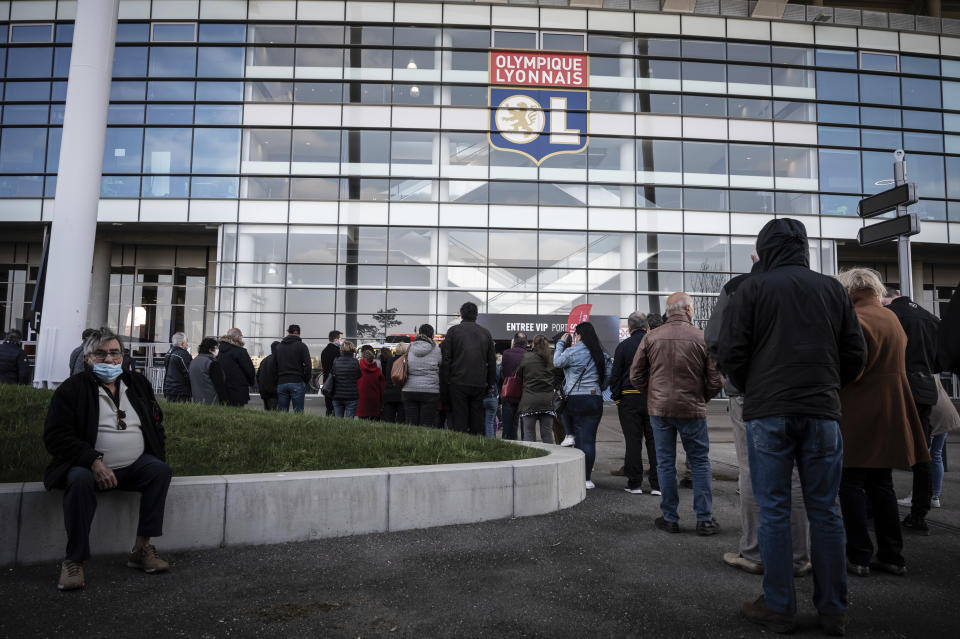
916,524
71,575
667,526
744,564
147,560
634,491
567,441
893,569
620,472
590,485
707,528
758,613
857,569
935,501
655,492
906,501
802,570
833,625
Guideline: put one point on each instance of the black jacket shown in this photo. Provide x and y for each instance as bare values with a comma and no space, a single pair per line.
293,361
792,339
346,369
327,356
714,329
237,366
922,328
76,360
469,356
949,336
73,418
176,379
267,376
622,358
391,393
13,364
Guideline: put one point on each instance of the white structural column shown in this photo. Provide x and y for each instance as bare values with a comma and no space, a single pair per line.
74,231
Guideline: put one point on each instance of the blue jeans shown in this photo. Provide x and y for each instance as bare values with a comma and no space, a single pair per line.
490,403
693,436
291,391
584,413
816,446
345,408
508,420
936,463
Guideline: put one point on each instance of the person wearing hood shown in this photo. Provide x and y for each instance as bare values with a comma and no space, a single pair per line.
790,343
370,385
328,356
392,410
267,379
293,370
176,365
237,366
208,383
421,391
13,361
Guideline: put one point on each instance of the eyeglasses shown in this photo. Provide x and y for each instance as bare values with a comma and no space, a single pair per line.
99,356
121,415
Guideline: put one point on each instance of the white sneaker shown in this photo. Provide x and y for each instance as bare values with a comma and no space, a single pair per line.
568,441
656,493
590,485
633,491
935,501
906,501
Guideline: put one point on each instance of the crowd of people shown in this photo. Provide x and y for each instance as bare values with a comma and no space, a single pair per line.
832,383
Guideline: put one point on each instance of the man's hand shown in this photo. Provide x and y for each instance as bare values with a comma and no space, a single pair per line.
103,475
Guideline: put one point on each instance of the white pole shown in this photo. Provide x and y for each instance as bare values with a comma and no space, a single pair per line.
74,230
903,242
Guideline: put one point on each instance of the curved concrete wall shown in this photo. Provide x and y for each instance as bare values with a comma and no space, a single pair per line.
226,510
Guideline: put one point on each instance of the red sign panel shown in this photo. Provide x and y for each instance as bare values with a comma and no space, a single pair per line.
539,69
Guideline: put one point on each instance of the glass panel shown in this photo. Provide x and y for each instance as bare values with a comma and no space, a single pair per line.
797,203
32,62
879,139
138,32
126,186
563,41
130,62
705,199
748,52
840,171
707,49
835,58
609,44
181,91
515,39
800,111
126,90
22,150
659,251
743,74
878,61
165,32
28,91
270,56
839,86
704,105
467,38
751,160
877,167
166,186
173,62
879,89
659,155
839,136
920,66
921,93
556,248
219,114
122,150
220,91
316,145
924,120
214,187
875,116
167,151
25,114
220,62
315,188
793,55
31,32
704,71
364,245
269,91
216,150
266,145
751,201
927,171
465,247
657,102
222,32
705,157
61,62
411,147
951,95
750,108
317,92
513,193
839,204
660,197
169,114
837,114
271,33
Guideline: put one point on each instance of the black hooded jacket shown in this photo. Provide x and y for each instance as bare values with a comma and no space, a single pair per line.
292,360
715,327
922,328
790,338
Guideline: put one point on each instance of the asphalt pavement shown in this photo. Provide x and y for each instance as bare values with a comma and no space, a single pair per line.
599,569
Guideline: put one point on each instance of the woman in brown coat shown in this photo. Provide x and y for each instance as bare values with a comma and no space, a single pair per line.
881,431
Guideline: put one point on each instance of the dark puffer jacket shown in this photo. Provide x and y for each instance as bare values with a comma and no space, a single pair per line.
238,367
922,328
292,361
792,338
13,364
346,369
176,380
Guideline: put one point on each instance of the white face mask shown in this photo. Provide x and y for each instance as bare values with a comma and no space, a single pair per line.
215,352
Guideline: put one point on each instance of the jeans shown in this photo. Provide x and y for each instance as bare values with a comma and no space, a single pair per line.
490,403
508,419
291,392
147,475
567,423
530,428
345,408
466,408
420,408
750,514
635,424
936,464
920,505
584,412
816,446
860,488
696,443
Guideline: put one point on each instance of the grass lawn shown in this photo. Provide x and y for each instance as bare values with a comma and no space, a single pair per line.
217,440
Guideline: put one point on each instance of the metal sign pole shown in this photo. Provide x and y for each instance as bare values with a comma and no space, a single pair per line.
903,242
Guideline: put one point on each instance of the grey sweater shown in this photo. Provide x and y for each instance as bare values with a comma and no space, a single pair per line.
423,367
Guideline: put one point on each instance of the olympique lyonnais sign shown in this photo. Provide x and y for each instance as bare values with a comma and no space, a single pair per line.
539,102
520,68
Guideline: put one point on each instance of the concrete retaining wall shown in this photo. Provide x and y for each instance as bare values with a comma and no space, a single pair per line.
228,510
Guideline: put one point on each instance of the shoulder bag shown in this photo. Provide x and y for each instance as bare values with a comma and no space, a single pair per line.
398,372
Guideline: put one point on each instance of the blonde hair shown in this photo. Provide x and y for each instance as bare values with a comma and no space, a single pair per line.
402,348
862,279
348,347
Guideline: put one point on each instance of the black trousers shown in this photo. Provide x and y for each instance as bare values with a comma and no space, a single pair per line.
635,423
328,401
466,408
148,476
420,409
920,505
393,412
862,489
269,401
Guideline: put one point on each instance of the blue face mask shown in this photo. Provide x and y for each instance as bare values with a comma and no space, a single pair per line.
107,372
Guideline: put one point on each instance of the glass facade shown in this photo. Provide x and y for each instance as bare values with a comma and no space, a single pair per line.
345,157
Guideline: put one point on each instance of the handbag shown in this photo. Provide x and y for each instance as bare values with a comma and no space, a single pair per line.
560,403
512,389
328,384
398,372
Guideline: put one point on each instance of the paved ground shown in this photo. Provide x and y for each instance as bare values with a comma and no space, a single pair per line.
599,569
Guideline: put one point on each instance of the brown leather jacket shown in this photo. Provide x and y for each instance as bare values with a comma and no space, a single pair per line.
673,369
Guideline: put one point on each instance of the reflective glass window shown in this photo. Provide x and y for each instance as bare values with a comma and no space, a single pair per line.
878,89
657,102
465,61
921,93
914,141
797,111
366,146
54,137
705,157
316,145
167,151
265,188
659,197
706,252
127,186
609,66
835,58
31,32
125,114
28,91
751,201
220,62
315,188
748,52
22,150
414,94
704,71
127,90
661,69
708,49
169,114
412,147
64,33
23,186
743,74
317,92
951,95
880,139
622,101
668,47
61,62
364,245
219,114
269,92
877,167
953,177
839,204
918,65
209,32
370,35
174,32
270,56
751,160
320,57
951,68
173,62
130,62
319,34
878,61
704,105
927,120
832,85
563,41
170,90
414,190
659,251
839,170
793,55
927,172
876,116
133,32
465,247
25,114
556,248
837,114
797,203
313,244
413,59
467,38
609,44
220,91
515,39
705,199
271,33
839,136
58,92
513,193
659,155
214,187
371,59
467,149
750,108
216,150
793,77
266,145
32,62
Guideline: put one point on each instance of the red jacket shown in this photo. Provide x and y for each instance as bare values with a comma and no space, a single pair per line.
370,387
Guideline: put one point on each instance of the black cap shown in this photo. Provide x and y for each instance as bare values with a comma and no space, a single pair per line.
294,328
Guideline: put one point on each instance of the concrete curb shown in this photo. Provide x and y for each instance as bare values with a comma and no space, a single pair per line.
232,510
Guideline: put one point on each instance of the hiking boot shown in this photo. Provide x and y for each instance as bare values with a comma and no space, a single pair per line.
758,613
857,569
667,526
147,560
707,528
916,524
802,570
744,564
893,569
71,575
833,625
620,472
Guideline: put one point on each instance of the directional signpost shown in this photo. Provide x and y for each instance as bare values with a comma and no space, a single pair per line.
899,228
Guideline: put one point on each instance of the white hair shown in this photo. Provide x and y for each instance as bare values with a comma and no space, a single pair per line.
99,337
178,339
862,279
682,304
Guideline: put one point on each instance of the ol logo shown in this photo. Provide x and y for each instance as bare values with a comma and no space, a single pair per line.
538,103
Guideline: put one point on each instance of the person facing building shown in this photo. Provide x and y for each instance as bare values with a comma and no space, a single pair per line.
328,355
267,379
237,366
509,363
176,363
76,356
470,369
421,391
13,361
208,382
672,368
294,368
790,341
